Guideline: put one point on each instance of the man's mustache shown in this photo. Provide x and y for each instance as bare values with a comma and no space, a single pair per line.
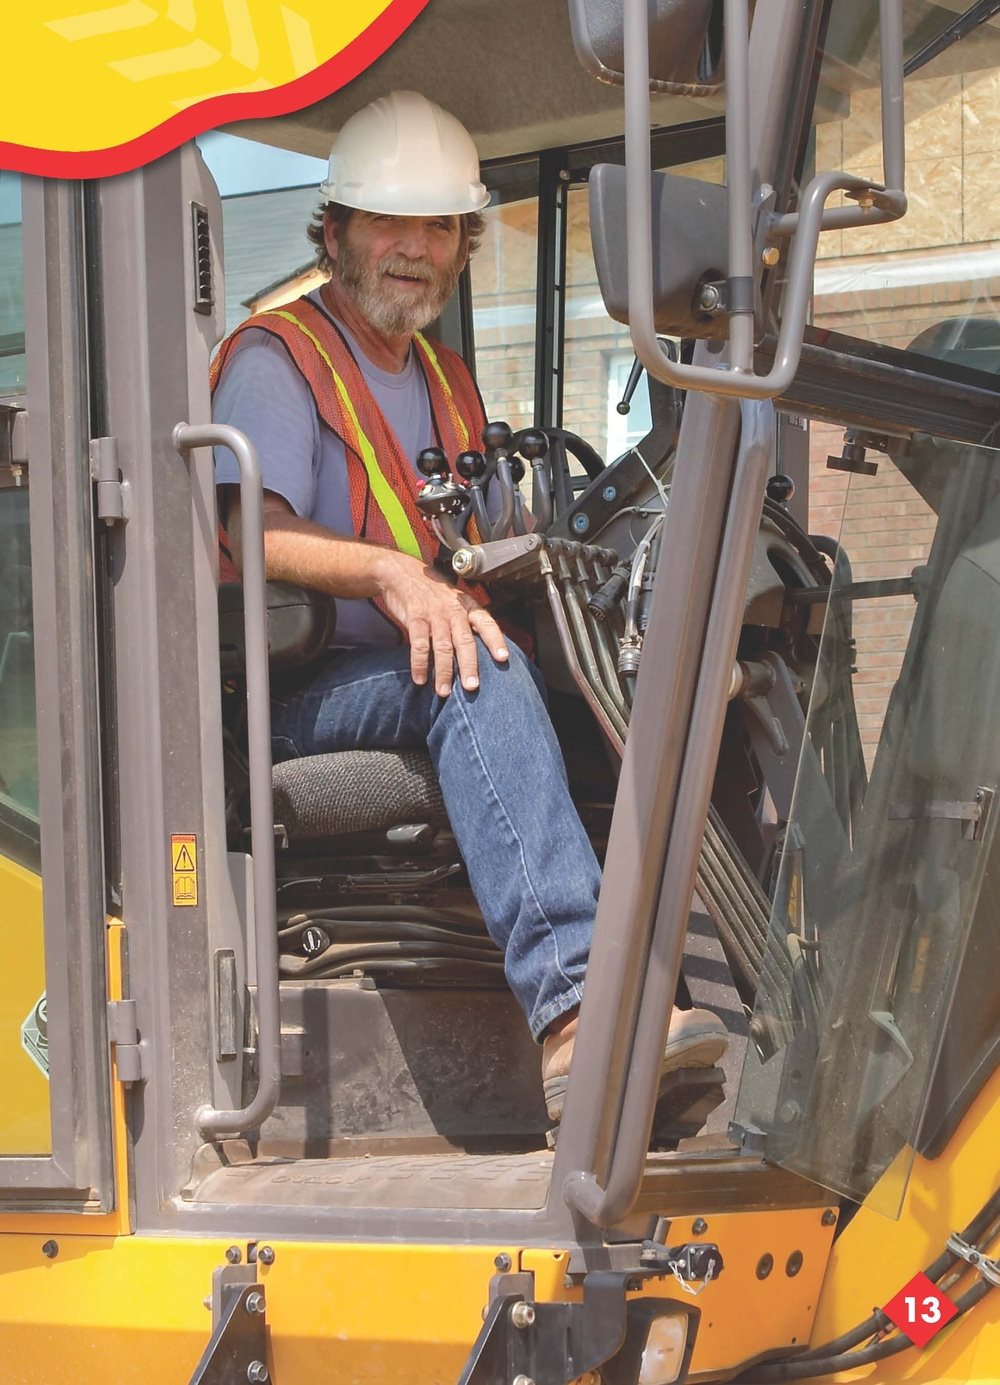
410,269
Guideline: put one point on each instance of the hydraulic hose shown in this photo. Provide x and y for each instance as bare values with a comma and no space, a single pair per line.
838,1354
803,1369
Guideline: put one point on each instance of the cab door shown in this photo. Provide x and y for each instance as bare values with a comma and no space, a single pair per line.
55,1123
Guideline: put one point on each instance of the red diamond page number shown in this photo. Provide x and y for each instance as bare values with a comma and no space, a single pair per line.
920,1310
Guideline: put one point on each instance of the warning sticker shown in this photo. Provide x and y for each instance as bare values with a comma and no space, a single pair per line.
35,1035
184,869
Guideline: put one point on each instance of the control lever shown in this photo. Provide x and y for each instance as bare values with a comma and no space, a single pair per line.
497,439
634,376
534,448
471,466
517,476
442,498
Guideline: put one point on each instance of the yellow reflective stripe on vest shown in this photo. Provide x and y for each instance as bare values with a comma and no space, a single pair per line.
456,417
382,493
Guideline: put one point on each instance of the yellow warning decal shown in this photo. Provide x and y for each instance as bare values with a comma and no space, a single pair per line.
184,869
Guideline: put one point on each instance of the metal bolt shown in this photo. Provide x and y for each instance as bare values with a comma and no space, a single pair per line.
770,256
829,1217
234,1255
255,1303
609,493
709,299
789,1112
581,523
522,1380
764,1266
265,1255
522,1315
462,561
50,1249
699,1226
502,1262
257,1373
793,1264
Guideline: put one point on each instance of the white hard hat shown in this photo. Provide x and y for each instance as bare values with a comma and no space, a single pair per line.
403,156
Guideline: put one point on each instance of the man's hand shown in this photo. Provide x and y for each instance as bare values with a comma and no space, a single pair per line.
437,620
435,617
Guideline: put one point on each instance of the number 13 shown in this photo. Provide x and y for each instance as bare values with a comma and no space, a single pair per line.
930,1311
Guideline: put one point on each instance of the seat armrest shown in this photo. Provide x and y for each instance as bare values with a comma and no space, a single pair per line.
300,625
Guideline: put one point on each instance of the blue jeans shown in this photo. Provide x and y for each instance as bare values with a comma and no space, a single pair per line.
530,862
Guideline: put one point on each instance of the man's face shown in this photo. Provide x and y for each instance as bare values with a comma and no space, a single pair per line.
400,270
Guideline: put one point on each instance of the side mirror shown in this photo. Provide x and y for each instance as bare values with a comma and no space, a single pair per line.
685,43
690,248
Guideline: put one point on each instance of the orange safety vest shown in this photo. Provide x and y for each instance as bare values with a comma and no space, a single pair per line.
382,482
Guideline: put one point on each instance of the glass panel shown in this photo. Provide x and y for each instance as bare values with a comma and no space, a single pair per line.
25,1126
880,878
268,197
598,351
929,281
11,288
504,273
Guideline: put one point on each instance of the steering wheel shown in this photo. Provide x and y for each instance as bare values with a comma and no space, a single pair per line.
562,445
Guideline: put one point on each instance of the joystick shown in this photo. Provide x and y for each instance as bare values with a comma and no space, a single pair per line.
442,498
497,438
517,476
432,463
471,466
534,447
780,488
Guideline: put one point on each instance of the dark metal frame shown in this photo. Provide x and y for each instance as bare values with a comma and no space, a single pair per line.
78,1173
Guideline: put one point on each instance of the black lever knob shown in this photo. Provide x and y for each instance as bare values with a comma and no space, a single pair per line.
470,464
780,488
432,462
516,470
497,435
533,444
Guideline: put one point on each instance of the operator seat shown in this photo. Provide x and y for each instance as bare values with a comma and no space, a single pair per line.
322,796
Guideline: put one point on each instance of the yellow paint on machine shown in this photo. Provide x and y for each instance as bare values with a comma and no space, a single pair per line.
130,1309
25,1116
875,1257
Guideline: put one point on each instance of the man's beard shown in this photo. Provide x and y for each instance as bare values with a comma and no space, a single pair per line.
375,294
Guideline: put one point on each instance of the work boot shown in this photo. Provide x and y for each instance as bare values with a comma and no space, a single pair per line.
695,1039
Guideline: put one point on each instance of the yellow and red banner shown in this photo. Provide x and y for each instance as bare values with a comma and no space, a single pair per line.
93,89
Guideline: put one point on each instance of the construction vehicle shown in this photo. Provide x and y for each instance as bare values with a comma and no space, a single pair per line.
269,1110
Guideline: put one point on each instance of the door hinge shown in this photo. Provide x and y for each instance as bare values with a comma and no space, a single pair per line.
974,815
112,492
13,445
123,1034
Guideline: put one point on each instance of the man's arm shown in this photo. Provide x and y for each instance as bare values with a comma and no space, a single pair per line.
435,617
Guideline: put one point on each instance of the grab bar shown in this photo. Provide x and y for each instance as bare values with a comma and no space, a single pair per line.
210,1121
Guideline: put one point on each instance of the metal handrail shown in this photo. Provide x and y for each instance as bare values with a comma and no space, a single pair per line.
886,202
608,1205
210,1121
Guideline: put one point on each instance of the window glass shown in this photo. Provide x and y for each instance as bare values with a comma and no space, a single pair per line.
931,280
25,1124
504,274
884,867
11,288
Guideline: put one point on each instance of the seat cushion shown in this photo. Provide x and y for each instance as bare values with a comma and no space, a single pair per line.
355,791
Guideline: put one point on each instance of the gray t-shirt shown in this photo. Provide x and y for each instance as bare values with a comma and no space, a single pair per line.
263,394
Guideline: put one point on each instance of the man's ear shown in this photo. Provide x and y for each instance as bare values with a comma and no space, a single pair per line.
331,236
